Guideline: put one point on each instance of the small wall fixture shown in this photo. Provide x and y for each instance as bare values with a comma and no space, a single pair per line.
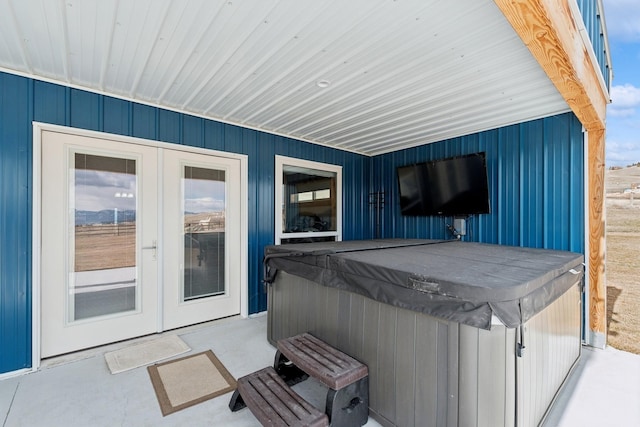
323,83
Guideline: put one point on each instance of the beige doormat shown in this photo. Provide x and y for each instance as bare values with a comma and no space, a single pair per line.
145,353
189,380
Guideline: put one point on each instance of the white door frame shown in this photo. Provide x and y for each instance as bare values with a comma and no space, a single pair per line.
36,302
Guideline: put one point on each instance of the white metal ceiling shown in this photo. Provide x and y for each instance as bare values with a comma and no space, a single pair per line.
400,73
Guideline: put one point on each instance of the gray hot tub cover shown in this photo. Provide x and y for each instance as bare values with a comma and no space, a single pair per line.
464,282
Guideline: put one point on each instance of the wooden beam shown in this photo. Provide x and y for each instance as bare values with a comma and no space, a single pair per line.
548,29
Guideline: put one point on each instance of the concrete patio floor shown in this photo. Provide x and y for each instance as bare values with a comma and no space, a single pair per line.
79,390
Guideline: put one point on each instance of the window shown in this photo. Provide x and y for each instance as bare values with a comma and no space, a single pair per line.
308,201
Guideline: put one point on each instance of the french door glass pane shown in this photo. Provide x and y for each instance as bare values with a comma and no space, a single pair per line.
103,194
204,208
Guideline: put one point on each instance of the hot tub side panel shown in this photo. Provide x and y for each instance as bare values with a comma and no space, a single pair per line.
428,372
489,383
486,376
553,346
412,358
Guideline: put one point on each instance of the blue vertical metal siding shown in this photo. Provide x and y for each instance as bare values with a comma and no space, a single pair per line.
144,122
193,131
16,114
536,180
593,23
116,116
85,110
49,103
170,126
213,135
24,100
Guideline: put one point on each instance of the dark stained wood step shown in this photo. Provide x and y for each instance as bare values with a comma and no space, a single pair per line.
273,403
327,364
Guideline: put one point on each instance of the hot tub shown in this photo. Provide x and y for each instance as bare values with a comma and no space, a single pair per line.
454,333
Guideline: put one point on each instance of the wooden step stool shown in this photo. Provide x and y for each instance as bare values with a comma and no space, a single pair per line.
268,396
347,401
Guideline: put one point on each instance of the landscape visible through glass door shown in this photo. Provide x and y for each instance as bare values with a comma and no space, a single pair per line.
204,205
104,206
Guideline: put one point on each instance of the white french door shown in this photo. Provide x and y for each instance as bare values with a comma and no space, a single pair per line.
135,239
202,222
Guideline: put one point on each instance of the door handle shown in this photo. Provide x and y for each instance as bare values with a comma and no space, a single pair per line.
154,247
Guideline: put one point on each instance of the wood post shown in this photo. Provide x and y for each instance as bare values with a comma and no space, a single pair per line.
597,303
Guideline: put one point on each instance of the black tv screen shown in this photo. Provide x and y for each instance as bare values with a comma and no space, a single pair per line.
453,186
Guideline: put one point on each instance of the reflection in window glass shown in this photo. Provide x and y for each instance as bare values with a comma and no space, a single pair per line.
309,205
204,209
305,197
322,194
103,205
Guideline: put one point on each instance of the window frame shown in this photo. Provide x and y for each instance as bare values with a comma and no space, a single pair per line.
281,162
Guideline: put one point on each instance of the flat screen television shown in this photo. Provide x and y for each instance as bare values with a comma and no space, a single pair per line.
456,186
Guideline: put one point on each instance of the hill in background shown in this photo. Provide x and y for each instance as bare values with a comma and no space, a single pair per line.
618,180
